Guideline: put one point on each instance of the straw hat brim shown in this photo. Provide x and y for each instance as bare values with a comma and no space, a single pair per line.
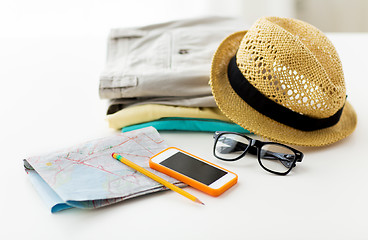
237,110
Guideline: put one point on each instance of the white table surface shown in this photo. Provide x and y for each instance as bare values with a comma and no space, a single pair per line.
49,100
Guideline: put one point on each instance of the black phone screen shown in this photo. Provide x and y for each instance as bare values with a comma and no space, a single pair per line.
193,168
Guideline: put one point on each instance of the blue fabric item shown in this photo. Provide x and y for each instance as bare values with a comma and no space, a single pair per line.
188,124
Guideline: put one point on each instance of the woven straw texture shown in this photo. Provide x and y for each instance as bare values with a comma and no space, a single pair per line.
293,64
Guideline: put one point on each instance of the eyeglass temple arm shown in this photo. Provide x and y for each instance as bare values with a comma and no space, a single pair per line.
238,147
281,156
267,154
284,158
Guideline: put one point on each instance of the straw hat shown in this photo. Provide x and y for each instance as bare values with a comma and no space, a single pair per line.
283,80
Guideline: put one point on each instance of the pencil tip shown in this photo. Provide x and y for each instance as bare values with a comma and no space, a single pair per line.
198,201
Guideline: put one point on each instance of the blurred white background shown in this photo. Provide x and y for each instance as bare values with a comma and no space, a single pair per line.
91,17
51,56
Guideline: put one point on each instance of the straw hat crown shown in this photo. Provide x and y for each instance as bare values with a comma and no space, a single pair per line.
293,64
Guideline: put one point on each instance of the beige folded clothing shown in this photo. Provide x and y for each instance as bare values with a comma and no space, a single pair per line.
149,112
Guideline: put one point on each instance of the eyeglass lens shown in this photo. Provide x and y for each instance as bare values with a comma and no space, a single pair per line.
276,157
230,146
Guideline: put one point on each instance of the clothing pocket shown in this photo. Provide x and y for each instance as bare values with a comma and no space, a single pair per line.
195,47
137,52
149,54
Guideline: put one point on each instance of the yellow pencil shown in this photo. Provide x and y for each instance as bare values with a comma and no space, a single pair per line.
155,177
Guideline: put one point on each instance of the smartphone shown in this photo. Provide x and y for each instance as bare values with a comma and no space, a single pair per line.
194,171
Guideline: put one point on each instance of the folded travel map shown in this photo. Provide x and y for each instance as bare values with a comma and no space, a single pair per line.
87,176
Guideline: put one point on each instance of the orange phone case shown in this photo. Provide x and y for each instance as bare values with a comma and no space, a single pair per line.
191,182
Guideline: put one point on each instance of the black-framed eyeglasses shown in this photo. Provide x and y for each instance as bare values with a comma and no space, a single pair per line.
274,157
